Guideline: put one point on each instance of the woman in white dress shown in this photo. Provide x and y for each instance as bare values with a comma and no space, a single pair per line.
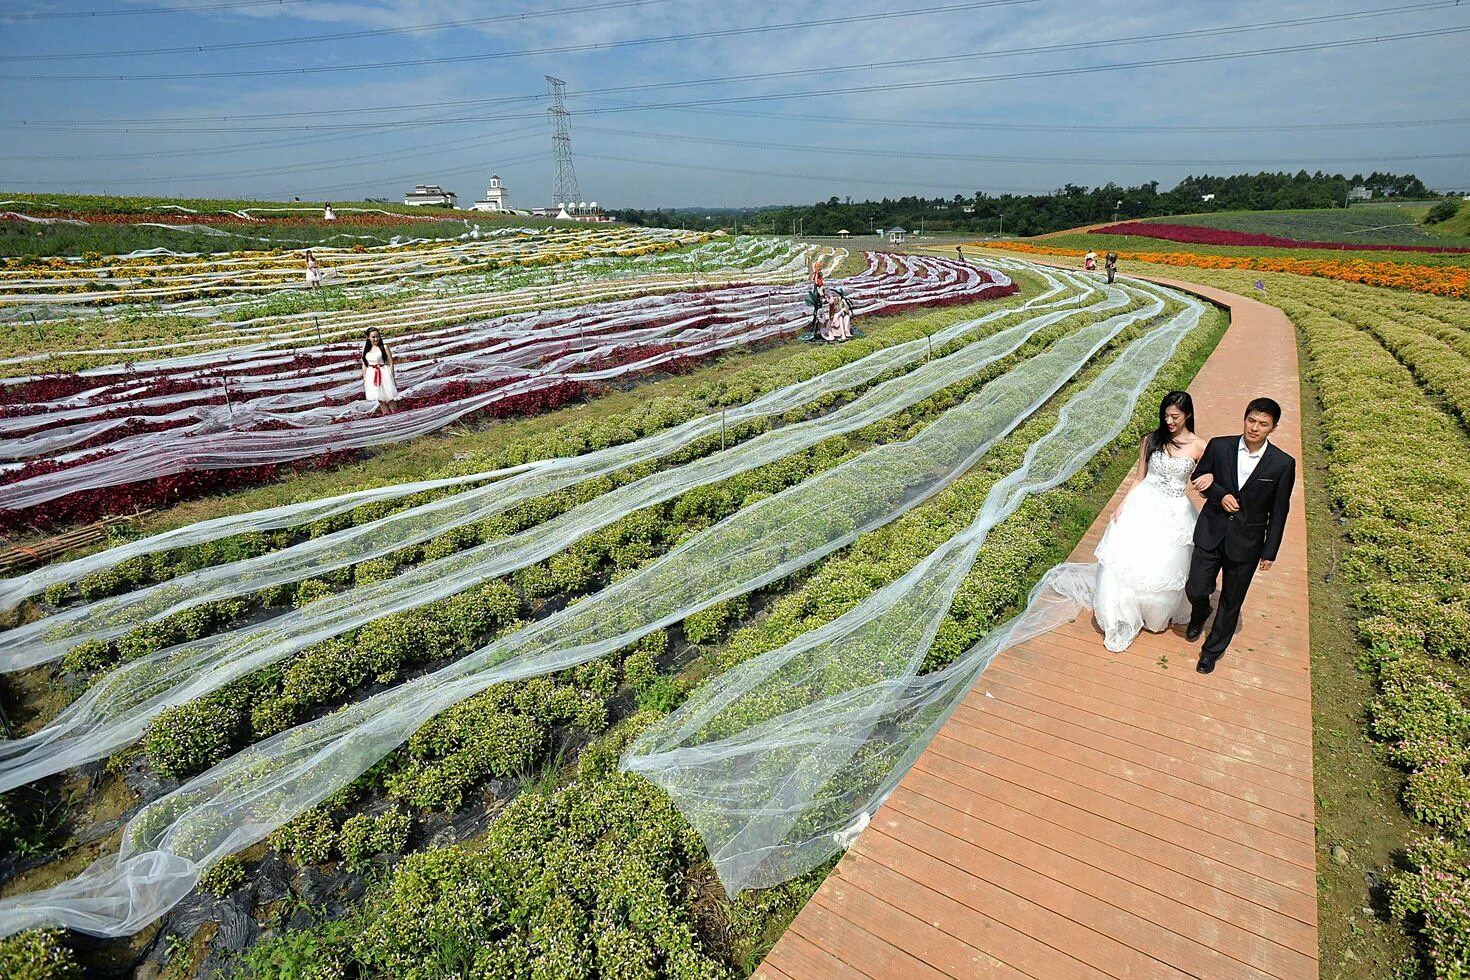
377,372
313,272
1143,558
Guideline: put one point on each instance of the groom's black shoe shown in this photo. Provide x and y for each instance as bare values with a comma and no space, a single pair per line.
1206,663
1192,633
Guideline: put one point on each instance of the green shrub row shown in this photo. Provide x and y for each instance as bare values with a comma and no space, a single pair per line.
498,733
37,954
189,738
1400,474
93,657
1437,365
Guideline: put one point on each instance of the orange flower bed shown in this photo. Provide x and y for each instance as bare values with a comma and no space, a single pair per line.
1449,281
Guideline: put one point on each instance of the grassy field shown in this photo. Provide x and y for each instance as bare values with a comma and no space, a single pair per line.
24,239
101,204
1383,224
1136,243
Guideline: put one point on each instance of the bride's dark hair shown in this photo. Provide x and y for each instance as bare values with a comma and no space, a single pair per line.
1159,438
367,344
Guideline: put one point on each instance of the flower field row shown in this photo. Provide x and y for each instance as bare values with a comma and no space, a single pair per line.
280,410
469,745
92,206
275,217
96,279
1387,223
300,316
1441,281
392,544
1204,235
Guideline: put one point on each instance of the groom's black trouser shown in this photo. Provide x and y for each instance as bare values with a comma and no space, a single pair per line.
1206,566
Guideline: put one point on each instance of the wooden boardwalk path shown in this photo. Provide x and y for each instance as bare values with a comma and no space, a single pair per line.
1088,814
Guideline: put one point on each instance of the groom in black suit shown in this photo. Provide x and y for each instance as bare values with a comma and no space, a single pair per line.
1239,530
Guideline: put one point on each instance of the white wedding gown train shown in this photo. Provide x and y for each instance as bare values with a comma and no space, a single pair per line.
1143,558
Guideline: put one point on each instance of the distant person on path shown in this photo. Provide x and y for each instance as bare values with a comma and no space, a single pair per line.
1111,264
1089,261
328,214
313,272
1240,527
959,250
377,373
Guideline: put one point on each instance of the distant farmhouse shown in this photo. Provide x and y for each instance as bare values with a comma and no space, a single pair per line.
496,197
1360,193
430,195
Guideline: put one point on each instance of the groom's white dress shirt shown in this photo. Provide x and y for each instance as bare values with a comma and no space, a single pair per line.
1245,461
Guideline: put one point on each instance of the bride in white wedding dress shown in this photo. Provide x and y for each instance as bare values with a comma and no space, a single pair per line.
1143,558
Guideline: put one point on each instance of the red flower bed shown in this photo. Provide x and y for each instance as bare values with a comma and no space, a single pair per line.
1201,235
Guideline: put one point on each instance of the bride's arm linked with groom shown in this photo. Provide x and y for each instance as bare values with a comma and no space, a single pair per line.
1240,527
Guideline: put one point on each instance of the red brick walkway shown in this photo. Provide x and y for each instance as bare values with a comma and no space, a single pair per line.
1088,814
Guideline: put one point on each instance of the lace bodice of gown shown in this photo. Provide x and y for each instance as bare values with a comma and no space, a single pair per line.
1169,474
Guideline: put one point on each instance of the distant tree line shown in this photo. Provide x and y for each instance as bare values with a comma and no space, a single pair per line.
1036,214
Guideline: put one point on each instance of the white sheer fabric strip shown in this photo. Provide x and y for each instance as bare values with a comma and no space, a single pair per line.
600,279
169,843
281,428
774,759
115,710
509,486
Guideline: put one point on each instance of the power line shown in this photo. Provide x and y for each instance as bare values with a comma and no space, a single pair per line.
779,96
228,148
1291,127
118,12
996,158
487,56
510,136
829,69
339,35
1012,76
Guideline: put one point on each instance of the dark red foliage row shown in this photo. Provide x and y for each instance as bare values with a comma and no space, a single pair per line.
92,505
1201,235
41,467
16,398
44,388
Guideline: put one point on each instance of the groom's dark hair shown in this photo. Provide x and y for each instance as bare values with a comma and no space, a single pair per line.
1267,405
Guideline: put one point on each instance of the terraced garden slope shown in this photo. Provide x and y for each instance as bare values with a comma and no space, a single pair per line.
464,661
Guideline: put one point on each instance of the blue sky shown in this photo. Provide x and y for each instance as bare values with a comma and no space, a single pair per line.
742,104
